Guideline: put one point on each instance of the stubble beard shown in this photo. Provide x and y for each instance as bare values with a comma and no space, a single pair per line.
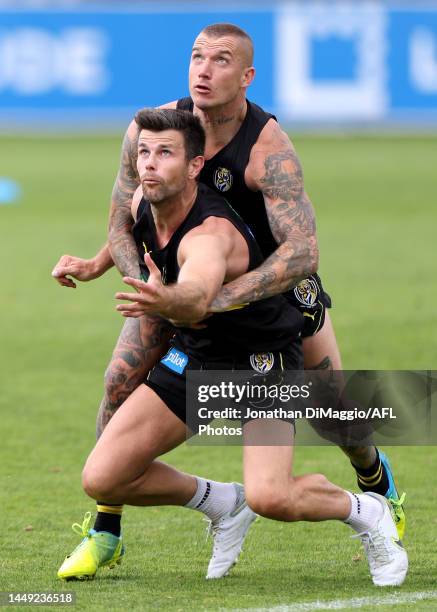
163,193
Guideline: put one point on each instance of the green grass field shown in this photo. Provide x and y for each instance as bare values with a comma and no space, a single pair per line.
375,204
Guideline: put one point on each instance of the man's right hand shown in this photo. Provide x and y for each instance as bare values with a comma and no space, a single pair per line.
80,269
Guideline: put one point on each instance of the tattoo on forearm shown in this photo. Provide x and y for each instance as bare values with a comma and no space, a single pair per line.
130,362
125,255
158,332
292,222
121,242
283,181
292,219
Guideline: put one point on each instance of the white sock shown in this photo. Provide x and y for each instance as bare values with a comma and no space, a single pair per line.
213,498
365,512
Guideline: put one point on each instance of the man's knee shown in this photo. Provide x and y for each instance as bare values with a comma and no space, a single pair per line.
98,485
94,483
100,481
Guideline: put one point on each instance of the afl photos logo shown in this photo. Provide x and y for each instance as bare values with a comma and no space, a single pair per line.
306,292
223,179
262,362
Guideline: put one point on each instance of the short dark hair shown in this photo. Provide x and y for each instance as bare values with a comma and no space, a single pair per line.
216,30
160,119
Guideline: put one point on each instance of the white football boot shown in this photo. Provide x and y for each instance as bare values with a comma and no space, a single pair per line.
388,561
229,533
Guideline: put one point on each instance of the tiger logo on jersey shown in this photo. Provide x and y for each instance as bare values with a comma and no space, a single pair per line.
262,362
223,179
306,292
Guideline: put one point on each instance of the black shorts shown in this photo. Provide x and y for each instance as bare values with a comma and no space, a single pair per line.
168,377
311,300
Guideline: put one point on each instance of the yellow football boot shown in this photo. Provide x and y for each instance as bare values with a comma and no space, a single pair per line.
97,549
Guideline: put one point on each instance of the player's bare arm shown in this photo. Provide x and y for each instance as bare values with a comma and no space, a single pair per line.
70,267
200,276
275,170
120,240
186,300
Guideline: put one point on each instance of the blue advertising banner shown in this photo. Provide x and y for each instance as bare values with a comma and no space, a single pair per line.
111,60
412,60
338,62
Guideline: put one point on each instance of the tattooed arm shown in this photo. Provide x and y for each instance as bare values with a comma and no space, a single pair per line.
141,344
120,240
275,170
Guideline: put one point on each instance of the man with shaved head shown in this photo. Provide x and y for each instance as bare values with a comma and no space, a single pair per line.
252,162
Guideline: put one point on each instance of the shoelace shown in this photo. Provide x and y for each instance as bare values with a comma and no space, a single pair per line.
83,530
375,546
212,530
398,503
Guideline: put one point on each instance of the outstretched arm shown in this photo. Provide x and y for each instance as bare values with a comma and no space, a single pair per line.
188,299
82,269
275,170
121,243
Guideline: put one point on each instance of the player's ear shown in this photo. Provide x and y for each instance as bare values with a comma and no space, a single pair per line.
247,76
195,165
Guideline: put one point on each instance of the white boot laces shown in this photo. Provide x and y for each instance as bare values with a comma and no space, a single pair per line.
375,547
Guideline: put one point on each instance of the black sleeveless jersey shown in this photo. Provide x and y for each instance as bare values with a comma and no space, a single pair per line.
263,326
225,174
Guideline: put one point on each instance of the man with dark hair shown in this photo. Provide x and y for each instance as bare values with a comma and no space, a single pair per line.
171,147
253,163
188,125
190,235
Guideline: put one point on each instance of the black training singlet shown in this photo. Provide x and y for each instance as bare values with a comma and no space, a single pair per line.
225,174
263,326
